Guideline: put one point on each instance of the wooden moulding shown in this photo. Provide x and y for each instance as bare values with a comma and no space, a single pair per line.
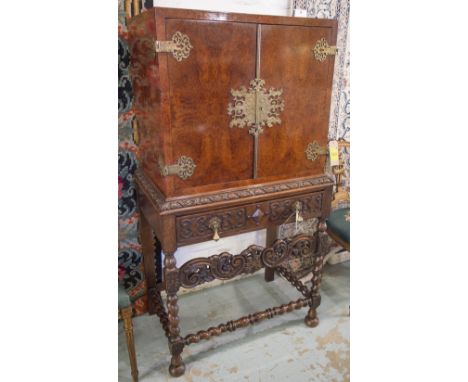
230,196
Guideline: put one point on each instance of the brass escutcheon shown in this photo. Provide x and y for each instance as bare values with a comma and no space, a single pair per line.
255,107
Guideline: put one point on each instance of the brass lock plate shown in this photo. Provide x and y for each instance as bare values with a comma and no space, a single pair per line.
255,107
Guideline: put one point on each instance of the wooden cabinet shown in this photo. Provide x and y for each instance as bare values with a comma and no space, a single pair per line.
232,115
239,98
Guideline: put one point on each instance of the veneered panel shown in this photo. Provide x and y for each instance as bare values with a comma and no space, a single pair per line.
222,58
287,62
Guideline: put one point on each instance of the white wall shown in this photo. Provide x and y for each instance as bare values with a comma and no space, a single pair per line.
265,7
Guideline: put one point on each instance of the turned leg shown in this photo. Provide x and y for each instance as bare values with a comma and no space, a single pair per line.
176,344
271,236
126,314
311,319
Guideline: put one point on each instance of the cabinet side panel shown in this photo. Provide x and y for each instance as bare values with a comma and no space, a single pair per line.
222,58
288,63
145,75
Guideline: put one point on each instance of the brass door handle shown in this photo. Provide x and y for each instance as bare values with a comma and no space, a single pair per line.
297,211
214,224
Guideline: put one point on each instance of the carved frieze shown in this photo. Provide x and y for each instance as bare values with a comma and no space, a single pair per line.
226,266
224,196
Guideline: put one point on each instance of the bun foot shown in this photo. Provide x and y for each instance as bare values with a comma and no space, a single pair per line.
311,320
177,371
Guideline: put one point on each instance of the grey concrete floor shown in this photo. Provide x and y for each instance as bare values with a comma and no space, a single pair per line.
280,349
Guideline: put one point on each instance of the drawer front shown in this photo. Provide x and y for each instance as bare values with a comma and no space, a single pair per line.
282,210
195,228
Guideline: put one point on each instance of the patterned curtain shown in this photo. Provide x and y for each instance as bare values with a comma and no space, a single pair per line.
340,107
130,258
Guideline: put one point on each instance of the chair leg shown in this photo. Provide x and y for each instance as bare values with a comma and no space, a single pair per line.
126,314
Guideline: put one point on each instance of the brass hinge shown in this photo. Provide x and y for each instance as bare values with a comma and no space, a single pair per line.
322,50
136,135
184,168
179,46
314,150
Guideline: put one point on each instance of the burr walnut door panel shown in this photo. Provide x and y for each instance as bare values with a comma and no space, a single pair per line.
222,58
288,63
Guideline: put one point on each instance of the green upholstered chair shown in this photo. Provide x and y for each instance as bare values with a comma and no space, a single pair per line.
125,313
338,224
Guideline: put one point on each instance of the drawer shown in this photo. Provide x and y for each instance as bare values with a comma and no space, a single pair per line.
195,228
280,210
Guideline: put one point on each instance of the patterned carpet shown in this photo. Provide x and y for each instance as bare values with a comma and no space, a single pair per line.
279,349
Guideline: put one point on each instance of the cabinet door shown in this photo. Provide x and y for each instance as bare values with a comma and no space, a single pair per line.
288,63
222,58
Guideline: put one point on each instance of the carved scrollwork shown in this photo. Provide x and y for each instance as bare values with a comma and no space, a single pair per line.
276,254
223,266
252,257
195,272
302,246
226,266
